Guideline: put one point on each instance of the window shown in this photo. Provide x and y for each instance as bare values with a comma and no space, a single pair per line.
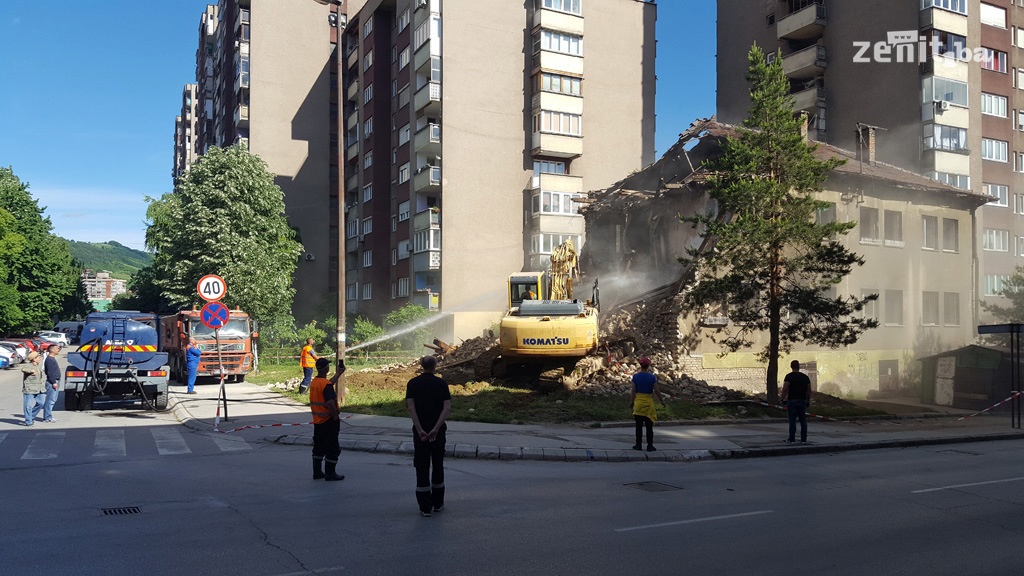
368,192
993,105
570,6
869,226
930,232
403,287
403,96
403,58
995,284
1000,192
394,222
558,123
546,202
394,256
352,228
950,308
559,42
941,137
403,134
404,249
997,150
367,291
994,60
995,240
421,34
403,211
426,240
894,228
403,173
894,307
546,243
368,127
825,214
870,311
403,20
993,15
950,235
368,159
930,308
962,181
367,60
367,93
1020,116
351,291
1018,203
1020,245
367,28
548,82
367,258
367,225
546,167
951,45
959,6
938,89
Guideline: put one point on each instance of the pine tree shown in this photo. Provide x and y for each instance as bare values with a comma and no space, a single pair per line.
772,265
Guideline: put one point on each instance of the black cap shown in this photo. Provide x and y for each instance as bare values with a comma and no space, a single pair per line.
323,364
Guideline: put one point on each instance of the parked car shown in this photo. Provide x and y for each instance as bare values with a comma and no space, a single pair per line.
7,357
20,349
52,337
4,363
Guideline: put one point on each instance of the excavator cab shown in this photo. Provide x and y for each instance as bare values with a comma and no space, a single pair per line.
525,286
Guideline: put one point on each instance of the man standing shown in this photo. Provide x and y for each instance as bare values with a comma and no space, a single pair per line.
323,403
192,355
52,371
33,386
796,393
307,359
429,402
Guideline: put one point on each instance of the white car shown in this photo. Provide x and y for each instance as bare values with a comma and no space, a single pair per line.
10,358
19,350
52,337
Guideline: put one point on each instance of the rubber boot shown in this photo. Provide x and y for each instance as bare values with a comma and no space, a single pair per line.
330,474
437,496
424,499
318,470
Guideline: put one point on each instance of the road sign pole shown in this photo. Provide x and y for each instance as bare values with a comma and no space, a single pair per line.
223,394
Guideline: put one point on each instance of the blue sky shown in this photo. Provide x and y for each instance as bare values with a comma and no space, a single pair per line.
91,89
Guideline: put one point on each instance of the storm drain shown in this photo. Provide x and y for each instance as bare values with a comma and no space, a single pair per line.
121,511
653,486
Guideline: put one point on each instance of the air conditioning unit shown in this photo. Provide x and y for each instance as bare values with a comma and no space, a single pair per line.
421,4
945,105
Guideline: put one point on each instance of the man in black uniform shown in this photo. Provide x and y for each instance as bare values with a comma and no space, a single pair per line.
323,403
796,393
429,403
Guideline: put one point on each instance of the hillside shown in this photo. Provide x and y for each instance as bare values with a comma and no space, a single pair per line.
118,259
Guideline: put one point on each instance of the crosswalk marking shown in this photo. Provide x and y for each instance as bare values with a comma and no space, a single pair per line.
230,443
169,441
44,446
109,443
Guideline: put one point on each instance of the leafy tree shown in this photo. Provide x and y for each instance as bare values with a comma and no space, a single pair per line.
363,330
772,265
40,273
1013,291
408,326
226,217
143,294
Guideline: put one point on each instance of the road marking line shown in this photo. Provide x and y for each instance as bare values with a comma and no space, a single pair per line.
966,485
109,443
231,443
169,441
695,520
44,446
3,436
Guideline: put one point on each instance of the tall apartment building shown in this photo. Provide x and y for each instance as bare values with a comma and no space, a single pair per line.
264,78
867,68
185,131
469,129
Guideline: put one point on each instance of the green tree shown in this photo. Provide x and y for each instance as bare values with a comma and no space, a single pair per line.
363,330
1013,291
40,275
409,327
770,265
226,217
144,294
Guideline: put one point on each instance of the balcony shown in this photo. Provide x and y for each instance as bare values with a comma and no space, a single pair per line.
427,179
426,261
940,19
557,145
352,183
558,62
426,220
421,57
560,21
428,140
352,122
429,300
242,116
809,100
353,60
352,95
352,151
559,102
804,24
427,99
557,183
806,63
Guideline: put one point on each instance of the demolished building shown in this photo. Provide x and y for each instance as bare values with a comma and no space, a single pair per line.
915,235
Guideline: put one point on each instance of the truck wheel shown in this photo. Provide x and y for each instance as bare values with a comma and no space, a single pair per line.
71,400
85,400
160,402
240,378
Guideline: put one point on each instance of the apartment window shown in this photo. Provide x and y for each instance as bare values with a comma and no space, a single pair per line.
994,60
352,291
995,284
367,258
403,134
426,240
403,287
1018,203
995,240
958,6
367,93
993,105
562,84
403,58
394,222
951,45
950,308
403,20
367,28
421,34
368,127
950,235
1000,192
930,232
558,42
352,228
996,150
394,256
869,233
1020,245
546,243
368,159
942,137
893,307
367,225
558,123
546,202
570,6
547,167
930,308
870,310
403,173
368,192
962,181
1018,161
1020,116
1019,37
403,96
993,15
938,89
403,211
367,60
367,291
825,214
404,249
894,228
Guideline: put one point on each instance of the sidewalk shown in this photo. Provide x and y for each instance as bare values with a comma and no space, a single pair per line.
253,407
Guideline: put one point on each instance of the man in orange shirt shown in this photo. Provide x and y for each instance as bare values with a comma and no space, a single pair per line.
307,359
323,403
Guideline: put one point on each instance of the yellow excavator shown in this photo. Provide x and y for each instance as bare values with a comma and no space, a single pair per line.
545,325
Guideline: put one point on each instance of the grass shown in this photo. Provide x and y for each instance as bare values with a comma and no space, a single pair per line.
483,402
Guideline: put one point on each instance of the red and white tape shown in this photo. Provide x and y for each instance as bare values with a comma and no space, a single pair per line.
781,407
992,407
256,426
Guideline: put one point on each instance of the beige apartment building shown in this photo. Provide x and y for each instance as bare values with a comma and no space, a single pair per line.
469,129
939,82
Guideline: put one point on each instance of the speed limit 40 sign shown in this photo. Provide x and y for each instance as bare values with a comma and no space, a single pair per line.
211,287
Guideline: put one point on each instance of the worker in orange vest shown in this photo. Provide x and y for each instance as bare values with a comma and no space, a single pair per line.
307,359
323,403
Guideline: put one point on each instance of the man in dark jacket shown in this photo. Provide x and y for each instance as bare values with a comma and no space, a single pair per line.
429,403
52,371
796,393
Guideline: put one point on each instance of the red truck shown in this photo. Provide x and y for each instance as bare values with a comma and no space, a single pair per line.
236,345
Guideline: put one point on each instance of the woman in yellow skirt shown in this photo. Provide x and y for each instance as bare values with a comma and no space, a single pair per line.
645,389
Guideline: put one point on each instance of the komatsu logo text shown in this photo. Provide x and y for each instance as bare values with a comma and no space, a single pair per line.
545,341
